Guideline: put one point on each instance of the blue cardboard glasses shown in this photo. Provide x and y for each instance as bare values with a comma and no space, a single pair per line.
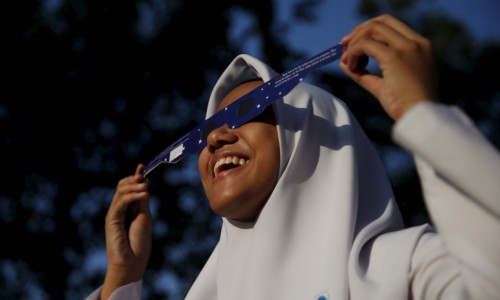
243,109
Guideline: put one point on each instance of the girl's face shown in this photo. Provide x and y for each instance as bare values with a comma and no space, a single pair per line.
239,167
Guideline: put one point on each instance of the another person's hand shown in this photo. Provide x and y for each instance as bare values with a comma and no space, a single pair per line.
405,59
128,233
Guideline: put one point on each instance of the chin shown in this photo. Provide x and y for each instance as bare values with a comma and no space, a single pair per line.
231,213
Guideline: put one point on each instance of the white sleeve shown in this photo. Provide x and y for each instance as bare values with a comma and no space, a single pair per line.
131,291
460,177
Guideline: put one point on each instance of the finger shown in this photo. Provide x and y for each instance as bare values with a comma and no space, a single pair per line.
380,33
125,199
399,29
131,184
133,179
359,63
363,48
370,82
402,28
128,191
139,169
372,41
141,194
349,61
136,178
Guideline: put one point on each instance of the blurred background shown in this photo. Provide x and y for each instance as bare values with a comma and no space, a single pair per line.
92,88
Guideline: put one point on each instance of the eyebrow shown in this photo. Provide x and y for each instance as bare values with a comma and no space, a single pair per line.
243,109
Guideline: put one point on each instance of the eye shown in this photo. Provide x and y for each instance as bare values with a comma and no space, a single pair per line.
245,107
206,130
267,116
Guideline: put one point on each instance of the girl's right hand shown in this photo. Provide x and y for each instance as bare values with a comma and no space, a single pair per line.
128,230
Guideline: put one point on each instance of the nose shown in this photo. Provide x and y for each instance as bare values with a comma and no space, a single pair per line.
221,136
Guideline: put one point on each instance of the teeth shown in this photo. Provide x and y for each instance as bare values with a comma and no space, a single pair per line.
228,160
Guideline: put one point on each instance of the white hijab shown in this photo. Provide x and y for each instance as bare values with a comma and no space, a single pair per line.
319,234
